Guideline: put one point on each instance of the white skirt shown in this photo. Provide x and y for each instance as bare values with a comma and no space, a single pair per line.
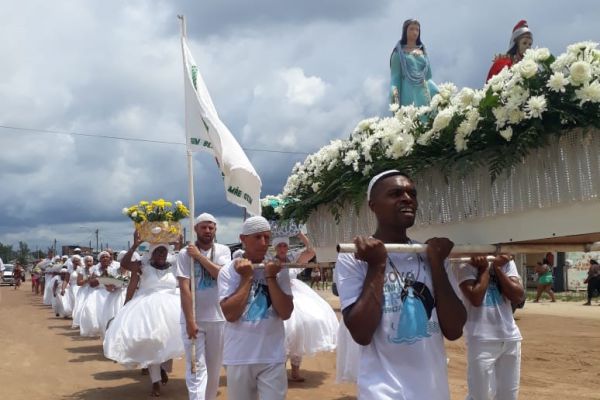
80,298
71,294
47,299
114,302
89,323
347,356
63,308
146,330
313,326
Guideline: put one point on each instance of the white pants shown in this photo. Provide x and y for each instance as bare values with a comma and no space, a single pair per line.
154,370
203,385
256,381
494,370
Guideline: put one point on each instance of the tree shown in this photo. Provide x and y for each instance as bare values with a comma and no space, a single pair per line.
23,253
6,252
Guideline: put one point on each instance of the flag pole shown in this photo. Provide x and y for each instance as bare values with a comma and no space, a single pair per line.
190,166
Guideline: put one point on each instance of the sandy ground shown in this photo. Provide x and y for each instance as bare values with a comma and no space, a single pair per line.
41,357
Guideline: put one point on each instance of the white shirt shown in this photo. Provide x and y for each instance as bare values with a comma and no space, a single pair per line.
493,320
406,359
258,336
207,292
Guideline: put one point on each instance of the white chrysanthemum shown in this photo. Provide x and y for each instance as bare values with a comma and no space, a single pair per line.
367,170
436,101
365,124
460,143
427,137
580,72
539,54
315,187
507,133
589,92
464,98
515,115
501,115
351,157
580,47
125,211
557,82
563,61
394,107
442,120
469,124
477,97
527,68
400,146
447,89
536,106
134,214
278,210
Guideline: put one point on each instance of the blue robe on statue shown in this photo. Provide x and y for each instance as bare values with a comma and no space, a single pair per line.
411,75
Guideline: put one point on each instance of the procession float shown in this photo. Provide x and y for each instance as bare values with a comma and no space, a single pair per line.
515,162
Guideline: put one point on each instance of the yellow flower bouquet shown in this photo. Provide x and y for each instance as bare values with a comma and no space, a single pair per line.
158,221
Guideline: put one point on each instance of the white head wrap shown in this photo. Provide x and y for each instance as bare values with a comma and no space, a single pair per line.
205,217
65,257
121,255
255,224
104,253
156,246
76,257
378,177
77,249
280,239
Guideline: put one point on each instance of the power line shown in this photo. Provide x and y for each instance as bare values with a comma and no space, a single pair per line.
48,131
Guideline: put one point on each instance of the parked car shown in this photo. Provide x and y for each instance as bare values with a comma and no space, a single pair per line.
7,275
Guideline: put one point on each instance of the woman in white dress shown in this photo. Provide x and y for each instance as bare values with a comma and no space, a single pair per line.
63,307
313,326
72,287
83,278
89,323
146,332
116,298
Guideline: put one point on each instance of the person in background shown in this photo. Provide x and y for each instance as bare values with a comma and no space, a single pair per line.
593,281
545,280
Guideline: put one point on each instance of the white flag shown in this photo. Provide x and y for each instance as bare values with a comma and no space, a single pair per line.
205,131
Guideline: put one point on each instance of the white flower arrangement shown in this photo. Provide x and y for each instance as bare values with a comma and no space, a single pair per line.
537,91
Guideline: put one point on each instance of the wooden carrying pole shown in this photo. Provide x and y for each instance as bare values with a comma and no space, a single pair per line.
503,248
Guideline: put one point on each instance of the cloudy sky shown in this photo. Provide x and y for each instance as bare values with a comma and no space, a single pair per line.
84,83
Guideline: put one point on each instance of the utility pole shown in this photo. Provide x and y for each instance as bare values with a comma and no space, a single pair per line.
97,230
54,246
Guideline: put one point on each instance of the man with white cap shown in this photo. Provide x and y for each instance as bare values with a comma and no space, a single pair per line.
207,328
255,303
399,307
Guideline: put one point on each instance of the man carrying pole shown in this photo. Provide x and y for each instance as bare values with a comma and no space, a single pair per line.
255,303
207,326
400,307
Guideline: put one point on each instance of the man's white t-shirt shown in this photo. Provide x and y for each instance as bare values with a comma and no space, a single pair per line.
493,320
258,337
207,292
406,359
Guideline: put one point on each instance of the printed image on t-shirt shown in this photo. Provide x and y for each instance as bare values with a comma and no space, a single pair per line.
493,297
414,303
258,304
205,279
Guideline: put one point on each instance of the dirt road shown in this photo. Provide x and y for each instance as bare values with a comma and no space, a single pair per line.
41,357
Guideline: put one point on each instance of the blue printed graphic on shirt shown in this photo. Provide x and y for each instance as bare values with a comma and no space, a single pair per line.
493,297
203,277
258,303
413,303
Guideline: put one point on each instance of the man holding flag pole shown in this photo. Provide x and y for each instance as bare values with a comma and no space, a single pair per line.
206,132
